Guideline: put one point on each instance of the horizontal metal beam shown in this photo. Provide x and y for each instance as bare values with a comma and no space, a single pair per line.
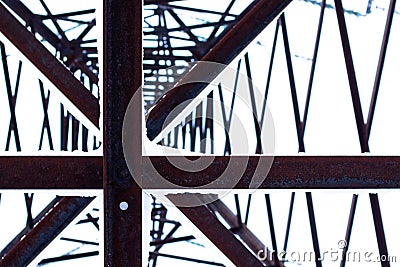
224,51
52,68
45,231
206,221
311,172
286,172
51,172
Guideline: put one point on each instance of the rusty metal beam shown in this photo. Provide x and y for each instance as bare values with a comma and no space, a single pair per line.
26,230
311,172
206,221
286,172
45,231
35,22
248,237
123,77
53,69
227,48
51,172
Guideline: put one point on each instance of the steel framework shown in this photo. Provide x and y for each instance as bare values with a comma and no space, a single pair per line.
71,64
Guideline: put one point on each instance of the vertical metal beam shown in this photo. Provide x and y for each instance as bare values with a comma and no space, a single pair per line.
123,76
45,231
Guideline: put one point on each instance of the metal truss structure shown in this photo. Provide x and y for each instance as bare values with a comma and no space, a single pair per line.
63,50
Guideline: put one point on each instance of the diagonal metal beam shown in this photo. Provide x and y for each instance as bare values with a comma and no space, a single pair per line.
227,48
206,221
35,22
45,231
24,231
251,240
53,69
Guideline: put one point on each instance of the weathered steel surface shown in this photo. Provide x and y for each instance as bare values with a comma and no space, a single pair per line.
123,76
51,67
45,231
50,172
227,49
206,221
293,172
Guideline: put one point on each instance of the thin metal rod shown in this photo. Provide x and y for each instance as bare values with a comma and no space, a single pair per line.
351,77
345,247
379,69
221,20
246,219
171,240
313,227
313,64
68,257
271,228
289,221
152,254
79,241
271,63
292,83
257,126
380,233
28,204
238,213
